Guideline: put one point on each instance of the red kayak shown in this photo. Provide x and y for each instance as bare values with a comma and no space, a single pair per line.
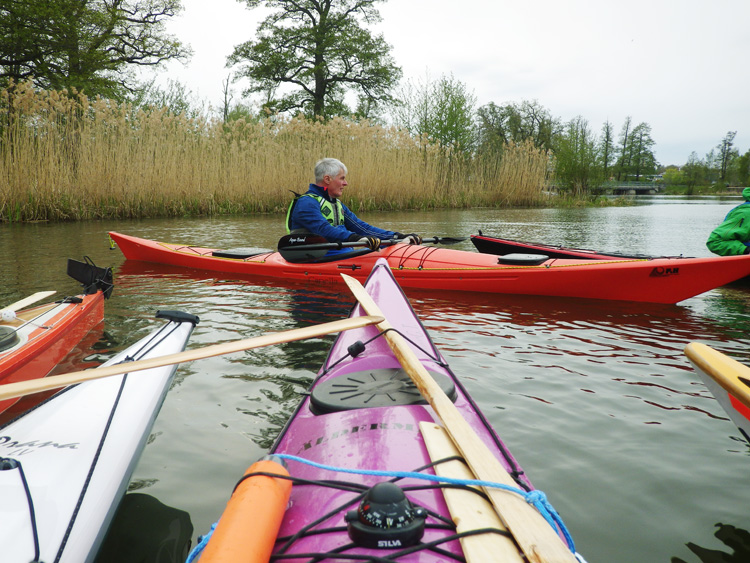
34,340
657,280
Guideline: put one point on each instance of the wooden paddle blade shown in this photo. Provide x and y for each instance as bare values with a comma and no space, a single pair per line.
727,372
467,509
534,535
19,389
28,300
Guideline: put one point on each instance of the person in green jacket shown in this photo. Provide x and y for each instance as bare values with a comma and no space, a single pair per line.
732,237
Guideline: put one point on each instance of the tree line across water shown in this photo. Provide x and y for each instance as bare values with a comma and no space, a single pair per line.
309,60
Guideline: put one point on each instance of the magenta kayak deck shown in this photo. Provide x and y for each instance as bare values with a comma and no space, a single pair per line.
364,414
658,280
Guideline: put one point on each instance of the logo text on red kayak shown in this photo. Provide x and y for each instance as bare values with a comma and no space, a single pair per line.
661,271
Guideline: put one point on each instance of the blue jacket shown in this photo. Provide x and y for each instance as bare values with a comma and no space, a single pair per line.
306,215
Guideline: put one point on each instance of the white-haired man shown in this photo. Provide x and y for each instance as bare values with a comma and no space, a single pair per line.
320,211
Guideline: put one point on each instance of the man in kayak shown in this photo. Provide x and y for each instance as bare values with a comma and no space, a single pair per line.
733,235
320,211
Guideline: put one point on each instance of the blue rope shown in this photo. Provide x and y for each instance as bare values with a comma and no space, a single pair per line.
535,498
200,546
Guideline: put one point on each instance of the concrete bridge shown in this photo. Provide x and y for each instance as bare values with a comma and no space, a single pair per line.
623,188
632,188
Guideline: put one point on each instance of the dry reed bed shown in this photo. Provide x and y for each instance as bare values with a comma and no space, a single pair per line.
70,158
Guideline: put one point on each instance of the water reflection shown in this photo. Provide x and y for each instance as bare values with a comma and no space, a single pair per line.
144,530
272,379
638,346
621,352
594,328
306,307
736,539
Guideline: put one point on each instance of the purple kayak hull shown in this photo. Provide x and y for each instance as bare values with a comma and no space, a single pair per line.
372,438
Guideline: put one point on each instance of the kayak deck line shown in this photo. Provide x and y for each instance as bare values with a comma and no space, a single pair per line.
28,315
540,267
446,483
536,498
194,251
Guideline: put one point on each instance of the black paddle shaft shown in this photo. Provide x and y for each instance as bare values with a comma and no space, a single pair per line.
307,247
317,242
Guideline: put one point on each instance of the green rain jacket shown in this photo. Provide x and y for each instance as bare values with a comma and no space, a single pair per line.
733,235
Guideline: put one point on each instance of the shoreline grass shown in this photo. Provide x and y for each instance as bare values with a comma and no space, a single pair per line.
67,158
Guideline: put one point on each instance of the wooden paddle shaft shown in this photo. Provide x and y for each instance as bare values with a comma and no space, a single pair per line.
536,538
38,296
12,390
468,510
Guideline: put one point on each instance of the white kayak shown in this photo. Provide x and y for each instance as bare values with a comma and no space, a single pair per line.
66,463
727,379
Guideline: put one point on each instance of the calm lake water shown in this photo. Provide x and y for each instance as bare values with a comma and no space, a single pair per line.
595,399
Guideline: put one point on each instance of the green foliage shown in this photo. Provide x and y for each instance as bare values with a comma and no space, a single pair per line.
635,155
622,163
86,45
577,166
674,177
694,171
516,123
318,50
241,111
741,169
607,149
642,156
176,98
726,154
441,111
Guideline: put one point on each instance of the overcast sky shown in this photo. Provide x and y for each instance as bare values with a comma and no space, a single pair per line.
682,67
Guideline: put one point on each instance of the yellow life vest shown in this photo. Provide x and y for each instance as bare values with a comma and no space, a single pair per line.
333,211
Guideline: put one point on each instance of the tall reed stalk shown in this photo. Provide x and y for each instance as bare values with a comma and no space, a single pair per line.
66,157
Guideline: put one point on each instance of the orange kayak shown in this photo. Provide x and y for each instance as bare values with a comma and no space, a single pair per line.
655,280
34,340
